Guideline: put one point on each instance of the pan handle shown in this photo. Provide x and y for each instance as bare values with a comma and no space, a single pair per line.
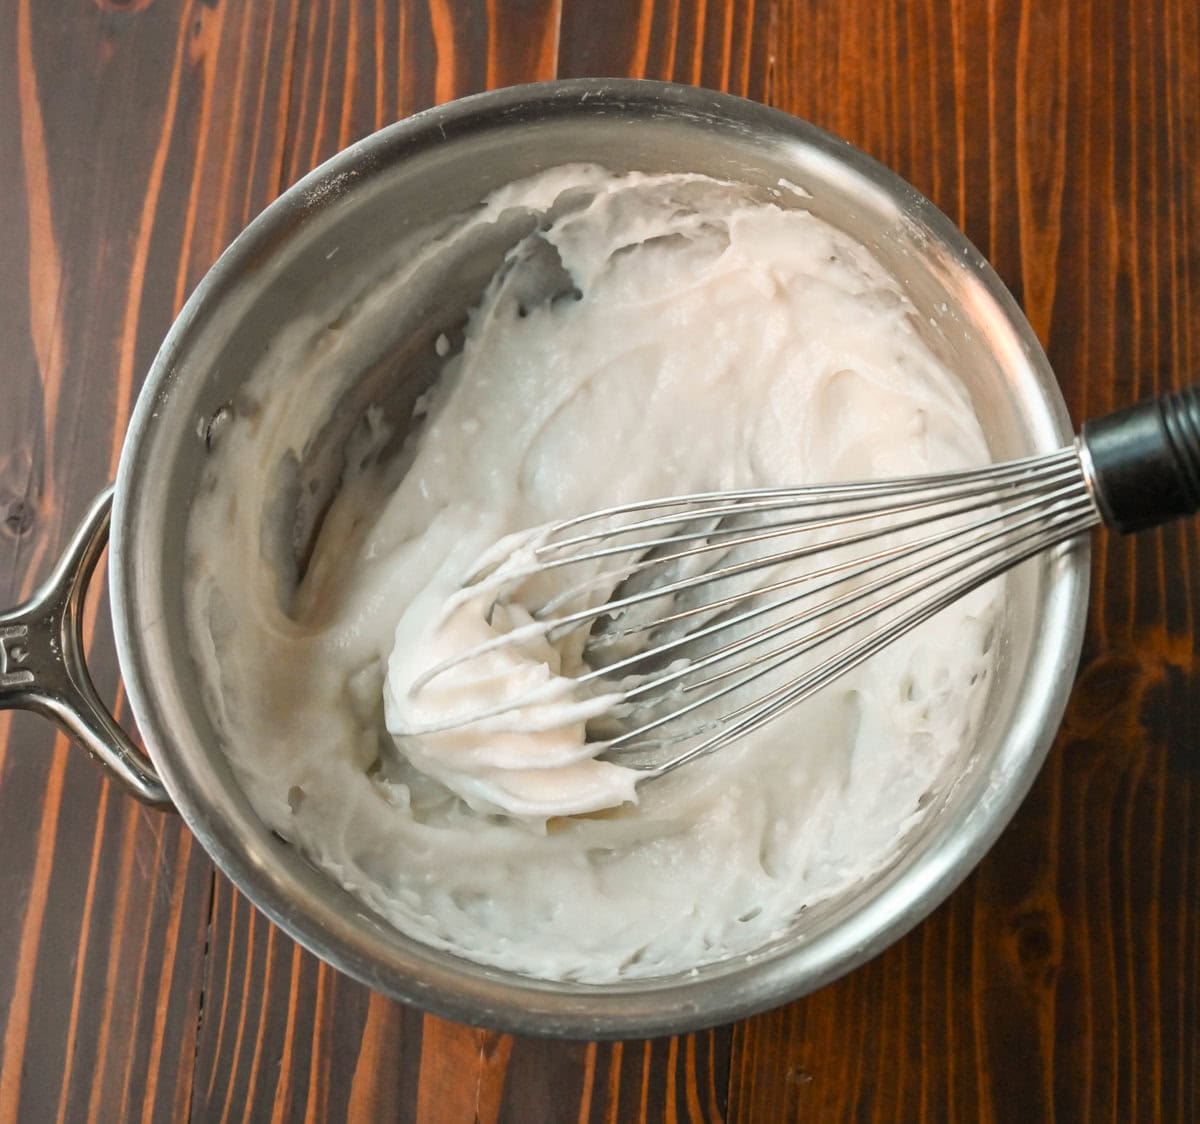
43,666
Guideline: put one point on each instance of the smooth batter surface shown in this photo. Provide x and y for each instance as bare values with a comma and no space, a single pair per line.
702,341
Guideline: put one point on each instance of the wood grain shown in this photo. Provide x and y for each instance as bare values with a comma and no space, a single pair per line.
1061,981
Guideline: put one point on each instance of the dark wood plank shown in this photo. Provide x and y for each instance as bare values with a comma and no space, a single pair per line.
720,45
1063,979
107,902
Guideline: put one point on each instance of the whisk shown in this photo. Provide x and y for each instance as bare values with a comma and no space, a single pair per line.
696,619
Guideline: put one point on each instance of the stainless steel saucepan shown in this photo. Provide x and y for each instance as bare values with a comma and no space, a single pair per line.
324,240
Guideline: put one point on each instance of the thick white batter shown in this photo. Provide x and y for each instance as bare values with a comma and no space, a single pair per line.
716,342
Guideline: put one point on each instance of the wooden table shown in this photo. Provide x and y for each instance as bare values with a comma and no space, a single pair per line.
1063,979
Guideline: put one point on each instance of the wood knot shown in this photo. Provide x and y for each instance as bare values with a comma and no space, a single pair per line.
18,496
18,518
1035,940
1105,690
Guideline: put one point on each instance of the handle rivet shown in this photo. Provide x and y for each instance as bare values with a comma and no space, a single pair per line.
12,654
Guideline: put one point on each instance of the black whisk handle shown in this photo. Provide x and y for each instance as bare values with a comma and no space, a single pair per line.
1145,461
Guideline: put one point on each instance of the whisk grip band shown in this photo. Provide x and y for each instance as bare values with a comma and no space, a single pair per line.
1145,461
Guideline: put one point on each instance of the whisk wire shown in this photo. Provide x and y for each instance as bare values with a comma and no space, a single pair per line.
929,541
919,566
1024,485
718,538
814,494
857,566
732,726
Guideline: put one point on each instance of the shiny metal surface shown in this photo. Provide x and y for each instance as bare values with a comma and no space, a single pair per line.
328,237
